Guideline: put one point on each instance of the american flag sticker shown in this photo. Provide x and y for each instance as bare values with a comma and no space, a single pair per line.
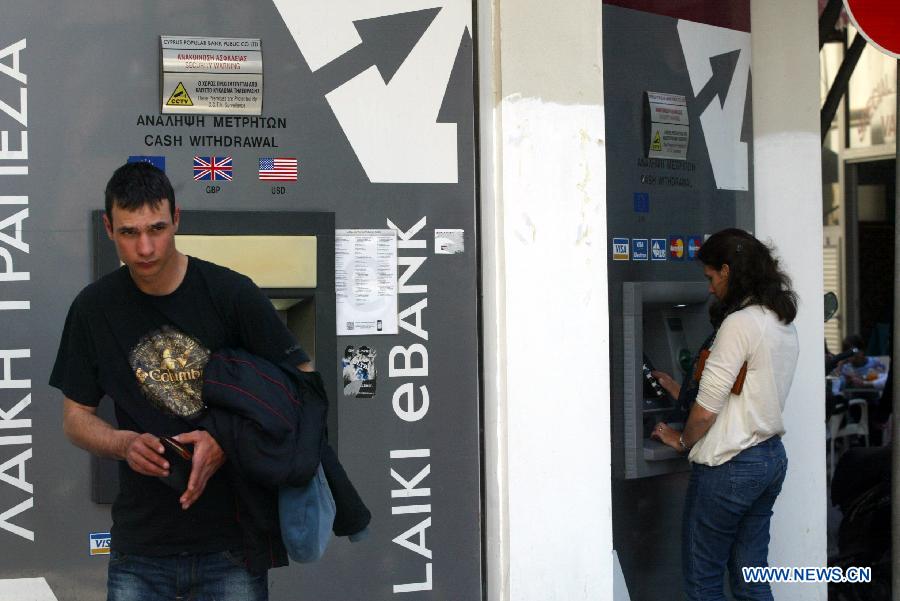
278,169
212,168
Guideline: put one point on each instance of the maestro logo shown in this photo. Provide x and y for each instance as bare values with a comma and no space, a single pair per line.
676,248
693,246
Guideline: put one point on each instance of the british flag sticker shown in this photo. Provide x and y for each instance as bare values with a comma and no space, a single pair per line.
212,169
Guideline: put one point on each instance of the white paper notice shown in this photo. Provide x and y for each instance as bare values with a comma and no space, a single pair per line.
449,242
365,281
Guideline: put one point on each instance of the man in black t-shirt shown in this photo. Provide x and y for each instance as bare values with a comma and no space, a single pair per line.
141,335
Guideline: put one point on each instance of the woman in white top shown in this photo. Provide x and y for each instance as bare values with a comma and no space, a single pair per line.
734,440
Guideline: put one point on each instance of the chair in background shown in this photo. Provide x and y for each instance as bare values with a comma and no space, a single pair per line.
844,424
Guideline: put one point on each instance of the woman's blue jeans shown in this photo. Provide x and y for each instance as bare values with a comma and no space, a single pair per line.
726,522
188,576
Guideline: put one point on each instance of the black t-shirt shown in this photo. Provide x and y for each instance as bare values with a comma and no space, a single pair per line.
147,353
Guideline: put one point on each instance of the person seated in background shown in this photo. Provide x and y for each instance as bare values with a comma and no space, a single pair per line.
860,371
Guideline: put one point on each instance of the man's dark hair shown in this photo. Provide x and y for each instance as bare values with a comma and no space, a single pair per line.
753,275
135,185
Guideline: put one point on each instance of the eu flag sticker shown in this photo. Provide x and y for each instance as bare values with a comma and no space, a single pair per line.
100,543
157,161
640,249
620,249
641,202
658,250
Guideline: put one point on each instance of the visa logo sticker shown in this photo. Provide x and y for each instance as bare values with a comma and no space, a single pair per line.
658,249
676,248
620,249
100,543
640,250
693,246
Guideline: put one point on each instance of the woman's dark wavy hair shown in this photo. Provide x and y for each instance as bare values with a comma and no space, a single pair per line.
753,274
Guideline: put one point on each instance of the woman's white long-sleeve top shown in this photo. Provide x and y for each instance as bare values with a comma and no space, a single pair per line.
753,334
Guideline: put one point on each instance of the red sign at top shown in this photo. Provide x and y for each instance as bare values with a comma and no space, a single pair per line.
878,21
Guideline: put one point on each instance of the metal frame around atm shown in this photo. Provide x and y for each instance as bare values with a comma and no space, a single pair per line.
634,296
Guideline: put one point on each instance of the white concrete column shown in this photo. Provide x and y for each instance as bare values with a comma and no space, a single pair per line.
547,439
788,195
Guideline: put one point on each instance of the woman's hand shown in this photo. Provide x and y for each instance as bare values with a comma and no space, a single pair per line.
668,436
667,382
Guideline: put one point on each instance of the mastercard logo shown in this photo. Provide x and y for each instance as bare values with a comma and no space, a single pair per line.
676,248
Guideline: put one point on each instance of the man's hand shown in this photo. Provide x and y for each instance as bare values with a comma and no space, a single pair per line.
144,454
208,457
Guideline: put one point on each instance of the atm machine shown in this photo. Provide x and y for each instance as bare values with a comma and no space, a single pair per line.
664,323
679,168
655,325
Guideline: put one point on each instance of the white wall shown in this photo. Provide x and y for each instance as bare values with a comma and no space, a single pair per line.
788,182
548,506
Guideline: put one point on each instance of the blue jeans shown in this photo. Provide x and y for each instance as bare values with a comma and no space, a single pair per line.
186,577
726,522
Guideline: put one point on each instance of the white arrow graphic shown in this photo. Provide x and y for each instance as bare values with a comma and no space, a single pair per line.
324,31
728,155
26,589
392,127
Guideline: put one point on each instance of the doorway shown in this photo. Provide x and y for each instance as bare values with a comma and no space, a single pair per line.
871,208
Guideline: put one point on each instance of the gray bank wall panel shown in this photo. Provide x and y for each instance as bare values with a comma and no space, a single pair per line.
92,101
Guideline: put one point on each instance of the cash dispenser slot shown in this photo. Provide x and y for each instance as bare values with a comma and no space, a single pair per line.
664,324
